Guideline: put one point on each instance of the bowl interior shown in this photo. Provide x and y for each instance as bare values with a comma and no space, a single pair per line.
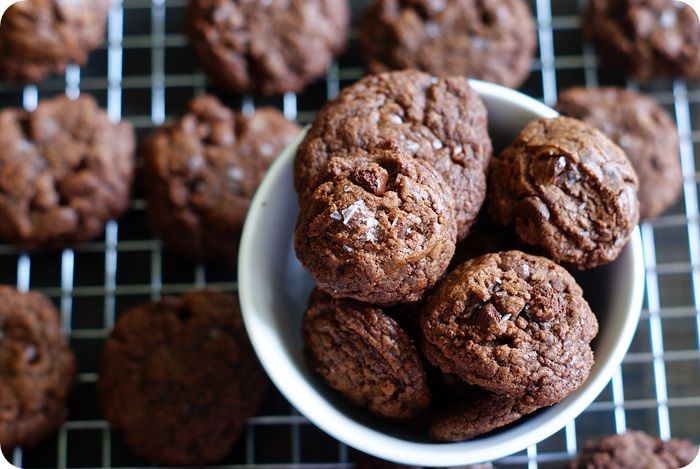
274,290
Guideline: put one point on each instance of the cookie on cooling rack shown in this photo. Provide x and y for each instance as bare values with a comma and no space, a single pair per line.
202,172
65,170
364,354
634,450
268,47
645,38
180,379
417,113
39,38
492,40
514,324
569,192
37,368
643,130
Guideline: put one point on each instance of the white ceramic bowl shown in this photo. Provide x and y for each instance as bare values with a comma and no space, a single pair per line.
274,289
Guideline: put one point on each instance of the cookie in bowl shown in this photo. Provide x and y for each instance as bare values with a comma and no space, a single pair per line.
441,121
643,130
567,190
380,229
363,353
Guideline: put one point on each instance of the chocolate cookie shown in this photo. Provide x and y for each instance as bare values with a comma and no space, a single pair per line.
646,38
203,170
514,324
363,354
271,46
568,190
475,413
39,38
65,170
441,121
180,379
634,450
643,130
493,40
36,366
380,230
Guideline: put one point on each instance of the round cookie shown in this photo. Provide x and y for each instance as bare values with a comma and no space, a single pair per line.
514,324
269,47
364,354
442,121
65,170
492,40
180,378
380,230
37,368
645,38
39,38
643,130
474,414
568,190
634,450
203,170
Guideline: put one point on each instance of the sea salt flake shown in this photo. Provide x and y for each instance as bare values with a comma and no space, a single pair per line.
437,144
395,119
434,80
350,212
458,150
432,30
582,205
236,174
196,162
479,43
668,19
336,216
346,189
372,225
347,248
412,146
561,163
506,317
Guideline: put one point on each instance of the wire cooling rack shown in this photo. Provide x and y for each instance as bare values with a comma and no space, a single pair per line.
145,73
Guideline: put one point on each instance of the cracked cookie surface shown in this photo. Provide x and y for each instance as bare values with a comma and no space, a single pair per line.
65,170
37,368
643,130
441,121
271,46
492,40
39,38
180,378
514,324
365,355
634,450
474,413
380,230
569,192
203,171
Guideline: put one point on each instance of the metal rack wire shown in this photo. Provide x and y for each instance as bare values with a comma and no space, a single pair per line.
145,73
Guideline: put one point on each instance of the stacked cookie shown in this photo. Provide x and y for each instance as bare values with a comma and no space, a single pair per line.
391,176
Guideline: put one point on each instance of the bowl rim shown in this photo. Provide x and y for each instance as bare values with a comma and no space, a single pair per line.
306,399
